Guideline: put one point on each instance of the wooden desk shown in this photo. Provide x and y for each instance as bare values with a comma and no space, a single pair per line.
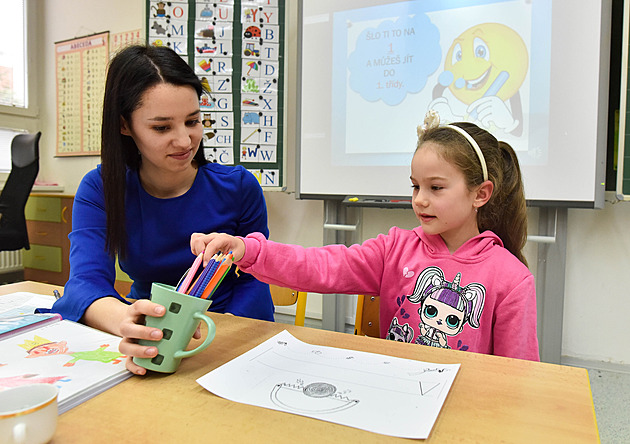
493,399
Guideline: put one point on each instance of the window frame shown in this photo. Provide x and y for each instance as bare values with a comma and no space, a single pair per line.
32,110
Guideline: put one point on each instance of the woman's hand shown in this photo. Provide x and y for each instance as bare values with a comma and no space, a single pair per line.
127,321
132,329
216,242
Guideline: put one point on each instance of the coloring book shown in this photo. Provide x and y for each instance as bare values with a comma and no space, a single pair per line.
79,360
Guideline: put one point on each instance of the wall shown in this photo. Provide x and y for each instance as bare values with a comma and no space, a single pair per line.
595,327
62,20
596,303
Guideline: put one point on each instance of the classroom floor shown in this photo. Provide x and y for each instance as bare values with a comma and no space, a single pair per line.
611,397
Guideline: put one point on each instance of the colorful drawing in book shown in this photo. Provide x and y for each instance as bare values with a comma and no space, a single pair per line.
483,70
39,347
29,378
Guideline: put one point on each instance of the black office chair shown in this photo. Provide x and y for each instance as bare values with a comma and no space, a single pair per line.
24,169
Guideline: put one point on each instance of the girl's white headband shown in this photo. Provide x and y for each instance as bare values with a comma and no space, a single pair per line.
432,120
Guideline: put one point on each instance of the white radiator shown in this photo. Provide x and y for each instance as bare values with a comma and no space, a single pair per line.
10,261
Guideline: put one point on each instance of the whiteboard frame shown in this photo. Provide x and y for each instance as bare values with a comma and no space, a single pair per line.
621,143
601,123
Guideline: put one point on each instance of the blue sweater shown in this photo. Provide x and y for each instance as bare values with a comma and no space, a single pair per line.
223,199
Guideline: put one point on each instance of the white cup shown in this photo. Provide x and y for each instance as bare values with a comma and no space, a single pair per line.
28,414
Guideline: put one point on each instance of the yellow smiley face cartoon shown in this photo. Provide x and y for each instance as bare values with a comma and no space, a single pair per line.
489,59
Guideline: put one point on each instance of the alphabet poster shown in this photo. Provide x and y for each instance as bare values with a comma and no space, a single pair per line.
80,66
236,49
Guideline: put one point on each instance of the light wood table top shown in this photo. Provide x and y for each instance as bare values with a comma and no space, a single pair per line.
493,399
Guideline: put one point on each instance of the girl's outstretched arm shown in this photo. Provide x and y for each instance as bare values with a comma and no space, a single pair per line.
216,242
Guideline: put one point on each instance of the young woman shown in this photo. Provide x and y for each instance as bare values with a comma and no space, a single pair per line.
151,192
457,281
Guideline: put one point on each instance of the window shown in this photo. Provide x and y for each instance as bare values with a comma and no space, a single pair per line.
13,66
6,137
18,85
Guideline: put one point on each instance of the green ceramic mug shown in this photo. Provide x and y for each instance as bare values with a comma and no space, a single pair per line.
183,313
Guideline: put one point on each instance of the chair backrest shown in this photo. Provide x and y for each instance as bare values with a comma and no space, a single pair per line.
24,169
367,319
25,149
283,296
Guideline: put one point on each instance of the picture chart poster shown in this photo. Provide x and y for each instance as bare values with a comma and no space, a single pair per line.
236,49
80,67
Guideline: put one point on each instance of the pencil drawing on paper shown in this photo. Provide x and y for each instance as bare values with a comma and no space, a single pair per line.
316,397
427,388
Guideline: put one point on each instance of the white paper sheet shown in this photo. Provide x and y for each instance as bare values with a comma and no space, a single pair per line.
377,393
19,303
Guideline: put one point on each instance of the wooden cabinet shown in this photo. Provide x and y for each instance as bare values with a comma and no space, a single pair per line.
49,221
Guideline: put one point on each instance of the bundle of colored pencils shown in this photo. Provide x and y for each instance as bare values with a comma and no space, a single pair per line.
210,277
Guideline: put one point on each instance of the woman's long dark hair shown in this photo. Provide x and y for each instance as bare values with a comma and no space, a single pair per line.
131,72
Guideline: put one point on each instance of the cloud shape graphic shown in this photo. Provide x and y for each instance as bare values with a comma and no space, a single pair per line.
394,59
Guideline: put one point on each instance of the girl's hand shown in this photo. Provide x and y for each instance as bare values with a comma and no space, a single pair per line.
132,329
216,242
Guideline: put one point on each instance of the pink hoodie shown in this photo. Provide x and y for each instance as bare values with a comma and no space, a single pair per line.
481,298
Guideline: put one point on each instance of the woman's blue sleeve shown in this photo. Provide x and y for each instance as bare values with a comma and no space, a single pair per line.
92,270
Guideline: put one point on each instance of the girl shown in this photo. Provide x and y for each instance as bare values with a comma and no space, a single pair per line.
457,281
151,192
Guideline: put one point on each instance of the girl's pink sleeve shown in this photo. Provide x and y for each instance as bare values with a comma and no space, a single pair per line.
328,269
514,333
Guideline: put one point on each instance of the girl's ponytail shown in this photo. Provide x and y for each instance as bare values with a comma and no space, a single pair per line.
506,212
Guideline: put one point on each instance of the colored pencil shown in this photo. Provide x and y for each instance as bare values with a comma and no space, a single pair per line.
206,275
191,274
209,278
218,276
195,286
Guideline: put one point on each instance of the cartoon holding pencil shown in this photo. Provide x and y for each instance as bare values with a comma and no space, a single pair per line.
483,71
